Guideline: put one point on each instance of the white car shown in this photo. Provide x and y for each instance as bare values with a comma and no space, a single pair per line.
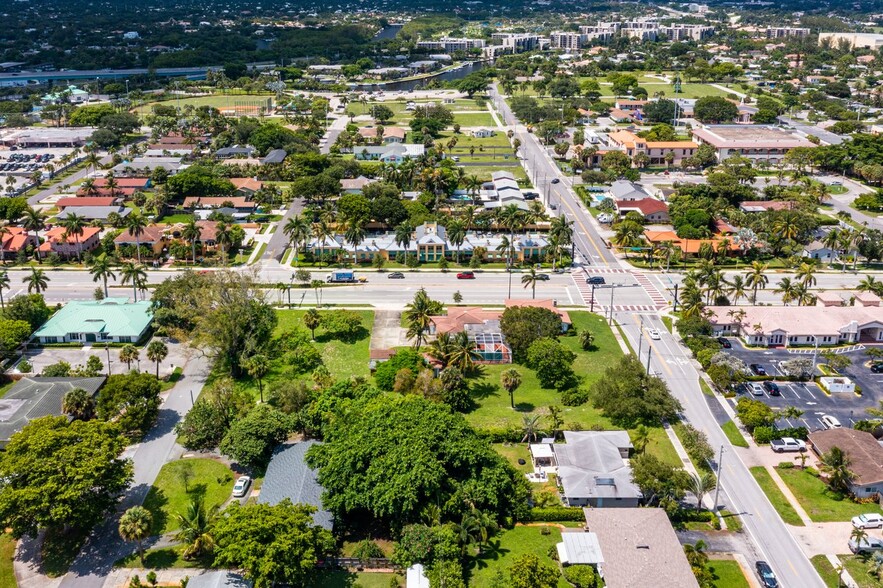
240,488
830,422
869,520
756,389
654,333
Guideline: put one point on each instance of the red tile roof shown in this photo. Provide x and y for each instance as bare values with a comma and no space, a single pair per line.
646,206
86,201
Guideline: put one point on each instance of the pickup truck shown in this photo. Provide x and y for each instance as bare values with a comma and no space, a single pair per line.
787,444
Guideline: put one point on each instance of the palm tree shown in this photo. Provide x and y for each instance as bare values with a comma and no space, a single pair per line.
530,426
456,230
101,268
440,349
135,526
787,288
73,225
224,239
34,221
128,354
802,295
297,229
135,274
4,284
464,353
418,315
191,233
736,288
36,281
700,485
403,235
806,274
858,535
195,529
136,224
641,438
78,404
757,278
836,464
530,280
156,352
870,284
510,379
312,319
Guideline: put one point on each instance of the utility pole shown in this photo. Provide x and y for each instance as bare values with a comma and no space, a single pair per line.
720,475
592,301
612,288
641,336
676,299
649,351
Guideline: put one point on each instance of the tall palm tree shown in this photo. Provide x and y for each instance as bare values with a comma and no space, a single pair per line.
530,280
464,353
836,464
297,229
224,239
757,278
870,284
136,224
510,380
156,352
736,288
74,225
440,348
802,295
192,233
4,284
786,288
456,230
806,274
34,221
194,529
78,404
135,526
37,281
128,354
403,234
134,274
418,315
700,485
101,268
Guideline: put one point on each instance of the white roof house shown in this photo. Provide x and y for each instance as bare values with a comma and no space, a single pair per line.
579,548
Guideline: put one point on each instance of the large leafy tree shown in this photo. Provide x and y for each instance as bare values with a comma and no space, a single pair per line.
251,439
522,325
60,475
28,307
553,363
272,544
629,396
131,400
391,456
529,572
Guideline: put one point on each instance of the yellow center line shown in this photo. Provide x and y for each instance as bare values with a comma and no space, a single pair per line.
585,230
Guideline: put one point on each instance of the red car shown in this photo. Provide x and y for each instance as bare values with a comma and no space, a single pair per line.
466,276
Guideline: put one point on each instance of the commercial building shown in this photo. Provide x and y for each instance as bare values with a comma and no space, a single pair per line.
785,32
865,457
112,320
873,41
657,151
755,142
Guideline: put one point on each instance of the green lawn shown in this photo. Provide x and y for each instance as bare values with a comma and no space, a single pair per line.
513,452
342,359
475,119
493,402
216,101
161,559
342,579
820,503
7,552
734,434
508,546
775,496
857,567
826,571
181,481
484,171
172,219
727,574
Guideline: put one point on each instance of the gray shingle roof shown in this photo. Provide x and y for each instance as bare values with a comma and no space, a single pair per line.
289,476
32,398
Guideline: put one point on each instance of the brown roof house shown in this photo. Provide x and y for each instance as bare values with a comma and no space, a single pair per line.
865,456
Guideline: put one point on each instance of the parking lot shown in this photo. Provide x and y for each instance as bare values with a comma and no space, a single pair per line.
807,396
20,165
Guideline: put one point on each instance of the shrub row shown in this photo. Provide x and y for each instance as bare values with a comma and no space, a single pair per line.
556,514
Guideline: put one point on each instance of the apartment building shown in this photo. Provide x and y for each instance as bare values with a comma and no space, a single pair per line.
567,41
871,41
451,44
755,142
786,32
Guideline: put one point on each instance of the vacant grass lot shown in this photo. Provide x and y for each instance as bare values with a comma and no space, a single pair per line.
485,169
857,566
184,480
475,119
508,546
775,496
220,101
733,434
342,359
821,504
727,574
341,579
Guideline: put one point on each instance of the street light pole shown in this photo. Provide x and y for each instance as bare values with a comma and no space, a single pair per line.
720,475
612,288
641,336
592,301
649,351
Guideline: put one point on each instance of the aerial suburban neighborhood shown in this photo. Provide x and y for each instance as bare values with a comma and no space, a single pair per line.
501,294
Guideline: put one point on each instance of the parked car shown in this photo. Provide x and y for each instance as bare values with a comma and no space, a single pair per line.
758,369
767,577
396,276
595,280
725,343
867,545
877,368
869,520
830,422
466,276
772,388
756,389
654,333
787,444
240,488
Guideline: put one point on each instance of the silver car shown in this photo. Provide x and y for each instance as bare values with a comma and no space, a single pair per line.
240,488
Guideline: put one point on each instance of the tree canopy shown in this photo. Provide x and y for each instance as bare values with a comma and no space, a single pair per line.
522,325
628,396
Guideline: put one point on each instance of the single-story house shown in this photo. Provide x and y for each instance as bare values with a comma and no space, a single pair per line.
99,213
799,325
355,185
79,201
653,210
639,547
112,320
289,476
394,154
34,397
865,456
133,183
390,134
820,251
764,205
276,156
246,186
626,190
157,237
58,241
237,151
593,469
240,203
483,133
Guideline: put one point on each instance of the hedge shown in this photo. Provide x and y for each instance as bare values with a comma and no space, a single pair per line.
556,514
501,435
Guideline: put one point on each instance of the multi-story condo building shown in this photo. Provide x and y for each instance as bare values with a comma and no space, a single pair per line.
567,41
784,32
450,44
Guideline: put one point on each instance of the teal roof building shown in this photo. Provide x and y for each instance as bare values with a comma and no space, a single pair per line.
112,320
